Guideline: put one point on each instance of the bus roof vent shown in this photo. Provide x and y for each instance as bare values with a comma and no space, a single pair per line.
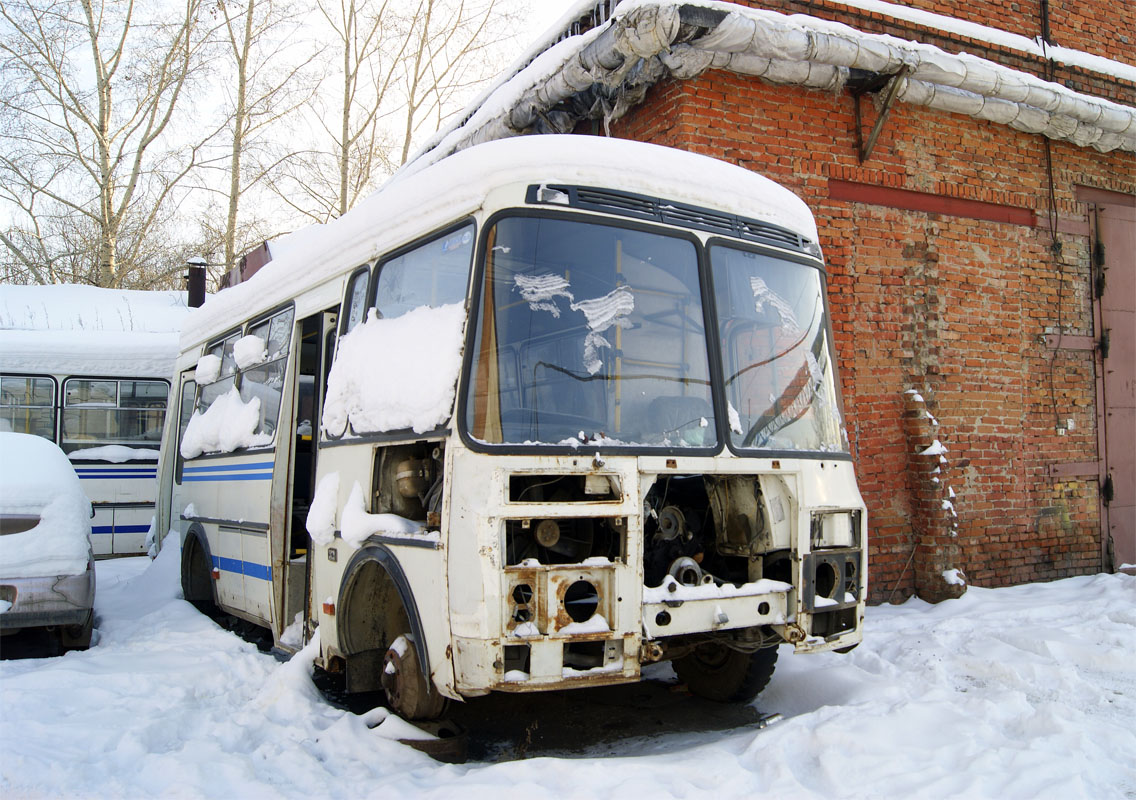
636,206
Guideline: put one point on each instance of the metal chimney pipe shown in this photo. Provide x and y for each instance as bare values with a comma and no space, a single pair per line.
195,281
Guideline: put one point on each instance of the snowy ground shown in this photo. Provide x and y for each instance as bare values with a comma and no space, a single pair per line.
1025,692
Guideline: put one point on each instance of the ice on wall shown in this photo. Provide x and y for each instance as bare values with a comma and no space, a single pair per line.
321,514
228,423
392,374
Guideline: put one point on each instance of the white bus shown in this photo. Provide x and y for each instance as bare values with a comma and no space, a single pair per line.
531,418
90,369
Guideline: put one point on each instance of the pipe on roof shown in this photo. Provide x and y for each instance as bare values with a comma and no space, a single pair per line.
611,70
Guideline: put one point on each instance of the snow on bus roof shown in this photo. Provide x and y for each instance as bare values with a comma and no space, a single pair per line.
86,330
457,185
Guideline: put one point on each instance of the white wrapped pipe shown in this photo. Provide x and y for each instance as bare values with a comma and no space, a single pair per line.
638,45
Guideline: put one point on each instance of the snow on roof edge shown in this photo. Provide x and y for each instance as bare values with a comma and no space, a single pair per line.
455,186
449,138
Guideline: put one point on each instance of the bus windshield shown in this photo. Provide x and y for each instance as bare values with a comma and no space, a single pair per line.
776,354
589,333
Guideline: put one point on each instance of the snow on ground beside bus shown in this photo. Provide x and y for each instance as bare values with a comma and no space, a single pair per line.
391,374
1024,692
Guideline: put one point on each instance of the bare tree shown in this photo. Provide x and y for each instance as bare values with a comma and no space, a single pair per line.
90,89
400,67
269,82
452,53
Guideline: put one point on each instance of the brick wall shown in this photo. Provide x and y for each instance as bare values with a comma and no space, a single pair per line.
954,307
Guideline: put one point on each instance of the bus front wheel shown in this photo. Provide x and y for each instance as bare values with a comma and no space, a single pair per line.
409,693
716,672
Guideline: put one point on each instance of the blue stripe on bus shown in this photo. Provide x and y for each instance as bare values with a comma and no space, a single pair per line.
251,476
117,471
228,467
239,567
120,528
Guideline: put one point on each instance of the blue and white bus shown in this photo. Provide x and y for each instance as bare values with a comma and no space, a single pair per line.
90,369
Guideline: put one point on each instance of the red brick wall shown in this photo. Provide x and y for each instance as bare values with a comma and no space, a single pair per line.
957,308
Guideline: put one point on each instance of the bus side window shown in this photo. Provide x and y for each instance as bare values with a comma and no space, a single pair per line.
356,300
27,405
433,274
185,411
265,380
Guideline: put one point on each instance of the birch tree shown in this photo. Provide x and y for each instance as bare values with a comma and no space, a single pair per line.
399,69
269,81
90,88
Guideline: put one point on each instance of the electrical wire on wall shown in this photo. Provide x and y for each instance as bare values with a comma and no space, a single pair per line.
1054,242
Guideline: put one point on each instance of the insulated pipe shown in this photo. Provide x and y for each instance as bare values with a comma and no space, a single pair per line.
613,66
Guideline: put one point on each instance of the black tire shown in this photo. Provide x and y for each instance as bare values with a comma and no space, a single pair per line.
197,578
716,672
77,637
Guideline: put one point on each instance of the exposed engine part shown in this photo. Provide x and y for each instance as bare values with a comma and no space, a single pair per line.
672,524
408,480
412,477
548,533
686,571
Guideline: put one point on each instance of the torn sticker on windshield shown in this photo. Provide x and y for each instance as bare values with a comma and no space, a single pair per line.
540,291
610,310
762,294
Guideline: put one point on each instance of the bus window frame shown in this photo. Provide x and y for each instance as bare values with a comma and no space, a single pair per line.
422,241
56,399
118,379
349,436
239,331
473,320
720,382
368,293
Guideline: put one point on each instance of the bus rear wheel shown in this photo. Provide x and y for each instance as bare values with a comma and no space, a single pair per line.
409,693
197,578
716,672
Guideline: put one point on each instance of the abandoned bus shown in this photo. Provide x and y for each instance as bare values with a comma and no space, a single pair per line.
540,414
89,369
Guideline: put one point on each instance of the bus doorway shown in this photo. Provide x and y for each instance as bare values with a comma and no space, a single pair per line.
315,336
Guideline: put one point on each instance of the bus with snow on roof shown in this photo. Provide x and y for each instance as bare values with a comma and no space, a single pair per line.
89,369
532,417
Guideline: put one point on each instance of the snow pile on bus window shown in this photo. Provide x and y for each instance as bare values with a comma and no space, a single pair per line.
357,525
227,424
392,374
208,369
115,453
38,480
321,514
249,351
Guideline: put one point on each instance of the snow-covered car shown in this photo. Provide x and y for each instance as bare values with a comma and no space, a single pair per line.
47,569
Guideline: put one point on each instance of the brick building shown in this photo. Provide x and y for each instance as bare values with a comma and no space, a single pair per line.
978,218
